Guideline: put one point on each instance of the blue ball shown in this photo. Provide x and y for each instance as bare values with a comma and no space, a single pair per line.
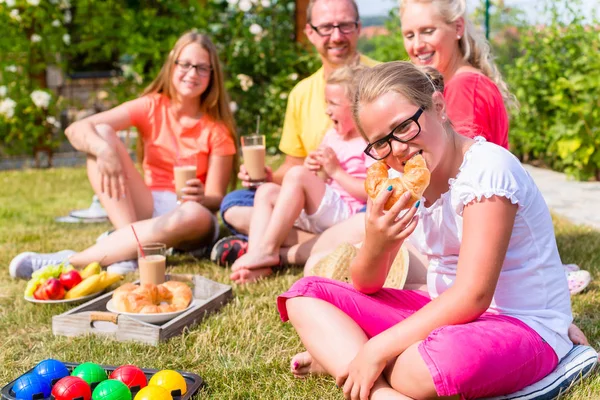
52,370
30,386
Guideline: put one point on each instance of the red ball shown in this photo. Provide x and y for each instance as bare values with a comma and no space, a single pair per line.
71,388
132,376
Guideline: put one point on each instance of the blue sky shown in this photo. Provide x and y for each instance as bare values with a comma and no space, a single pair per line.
381,7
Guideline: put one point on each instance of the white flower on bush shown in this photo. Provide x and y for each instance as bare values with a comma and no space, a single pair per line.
67,39
245,5
10,3
7,107
35,38
40,98
293,76
52,121
11,68
68,17
3,91
266,3
256,29
65,4
232,2
33,2
14,14
246,82
56,23
233,106
283,96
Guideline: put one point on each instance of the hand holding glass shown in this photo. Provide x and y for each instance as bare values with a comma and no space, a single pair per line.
184,170
253,151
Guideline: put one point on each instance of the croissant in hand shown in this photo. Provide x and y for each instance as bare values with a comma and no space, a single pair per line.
415,179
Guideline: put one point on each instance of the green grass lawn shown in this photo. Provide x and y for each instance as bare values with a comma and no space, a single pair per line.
242,352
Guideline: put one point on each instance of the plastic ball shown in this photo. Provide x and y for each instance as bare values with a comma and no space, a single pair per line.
170,380
130,375
71,388
52,370
91,373
30,386
111,389
153,392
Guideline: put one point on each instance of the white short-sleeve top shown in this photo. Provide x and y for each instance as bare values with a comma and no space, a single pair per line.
532,286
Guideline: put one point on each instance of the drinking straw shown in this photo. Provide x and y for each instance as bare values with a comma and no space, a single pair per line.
138,242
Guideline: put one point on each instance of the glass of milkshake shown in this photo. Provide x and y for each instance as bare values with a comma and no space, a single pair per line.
183,170
152,263
253,151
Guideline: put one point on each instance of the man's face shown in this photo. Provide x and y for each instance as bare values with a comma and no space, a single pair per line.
337,47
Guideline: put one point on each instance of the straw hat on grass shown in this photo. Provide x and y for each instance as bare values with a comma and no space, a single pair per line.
336,266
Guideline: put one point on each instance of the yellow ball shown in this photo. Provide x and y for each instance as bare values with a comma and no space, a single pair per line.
170,380
153,392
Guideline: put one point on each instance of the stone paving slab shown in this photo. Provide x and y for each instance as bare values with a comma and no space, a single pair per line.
579,202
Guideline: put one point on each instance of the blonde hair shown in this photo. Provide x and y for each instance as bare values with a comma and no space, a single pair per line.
344,77
311,4
473,46
401,77
214,101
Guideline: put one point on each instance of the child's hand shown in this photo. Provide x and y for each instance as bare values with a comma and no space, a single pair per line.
193,191
328,160
311,161
363,371
386,229
245,178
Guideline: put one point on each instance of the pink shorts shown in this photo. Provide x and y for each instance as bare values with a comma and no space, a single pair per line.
491,356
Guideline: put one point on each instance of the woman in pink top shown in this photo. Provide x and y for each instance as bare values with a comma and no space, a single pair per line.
183,112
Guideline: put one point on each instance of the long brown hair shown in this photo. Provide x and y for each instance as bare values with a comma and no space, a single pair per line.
214,101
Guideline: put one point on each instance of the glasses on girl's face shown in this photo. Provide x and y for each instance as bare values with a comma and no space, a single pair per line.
202,69
403,133
327,29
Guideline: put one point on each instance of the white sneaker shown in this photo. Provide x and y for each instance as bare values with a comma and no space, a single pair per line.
123,267
25,264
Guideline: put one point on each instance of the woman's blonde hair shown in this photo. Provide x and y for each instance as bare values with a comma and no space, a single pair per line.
473,46
400,77
214,102
344,77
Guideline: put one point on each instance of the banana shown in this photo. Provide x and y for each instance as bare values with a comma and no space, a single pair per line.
85,287
108,278
92,269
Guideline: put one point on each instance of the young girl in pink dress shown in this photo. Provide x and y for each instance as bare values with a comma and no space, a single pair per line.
495,316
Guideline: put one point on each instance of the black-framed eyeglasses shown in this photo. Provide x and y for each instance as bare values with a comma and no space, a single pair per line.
327,29
403,133
202,69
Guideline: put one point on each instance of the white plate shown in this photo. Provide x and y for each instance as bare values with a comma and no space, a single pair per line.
150,318
63,301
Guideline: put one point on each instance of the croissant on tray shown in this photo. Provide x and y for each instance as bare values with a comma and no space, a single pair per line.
415,179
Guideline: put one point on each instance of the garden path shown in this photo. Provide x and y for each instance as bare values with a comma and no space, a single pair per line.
577,201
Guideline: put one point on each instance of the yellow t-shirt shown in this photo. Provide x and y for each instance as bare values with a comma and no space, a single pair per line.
305,121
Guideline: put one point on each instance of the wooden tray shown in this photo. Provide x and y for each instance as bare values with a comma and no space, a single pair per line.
92,317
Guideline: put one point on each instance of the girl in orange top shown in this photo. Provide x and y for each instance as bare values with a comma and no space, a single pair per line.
184,112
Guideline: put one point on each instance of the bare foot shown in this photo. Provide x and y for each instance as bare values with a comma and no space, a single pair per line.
249,275
255,260
302,364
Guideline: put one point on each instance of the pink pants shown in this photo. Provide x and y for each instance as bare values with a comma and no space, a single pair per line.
491,356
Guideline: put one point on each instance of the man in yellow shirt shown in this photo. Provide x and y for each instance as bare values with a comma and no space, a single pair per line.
333,27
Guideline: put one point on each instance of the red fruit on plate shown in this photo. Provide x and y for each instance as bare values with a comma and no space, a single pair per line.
50,290
39,293
70,279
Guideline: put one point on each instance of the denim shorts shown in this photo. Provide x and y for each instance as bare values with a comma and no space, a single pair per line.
237,198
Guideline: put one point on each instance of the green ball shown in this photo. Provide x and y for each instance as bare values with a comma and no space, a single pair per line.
111,389
91,373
